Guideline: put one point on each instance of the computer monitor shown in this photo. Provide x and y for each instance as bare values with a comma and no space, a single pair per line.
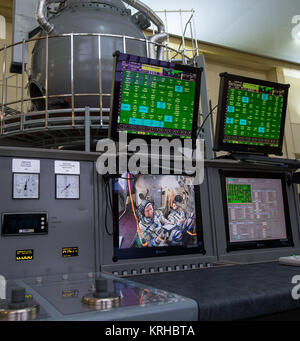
154,99
256,210
251,115
156,216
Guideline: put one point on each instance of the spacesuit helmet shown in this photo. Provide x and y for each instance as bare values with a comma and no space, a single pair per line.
146,209
177,202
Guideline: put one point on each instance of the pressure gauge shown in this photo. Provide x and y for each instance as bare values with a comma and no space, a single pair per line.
25,186
67,186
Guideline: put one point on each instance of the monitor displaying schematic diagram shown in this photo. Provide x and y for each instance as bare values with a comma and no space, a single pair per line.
256,212
153,98
251,115
156,215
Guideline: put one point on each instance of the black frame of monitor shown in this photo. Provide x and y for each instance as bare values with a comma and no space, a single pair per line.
134,253
219,145
116,88
259,244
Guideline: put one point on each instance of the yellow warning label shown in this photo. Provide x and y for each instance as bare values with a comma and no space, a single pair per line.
70,252
24,255
24,258
152,68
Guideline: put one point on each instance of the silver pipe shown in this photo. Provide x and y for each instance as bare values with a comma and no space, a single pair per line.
22,90
124,44
41,17
87,122
3,87
196,39
17,91
157,38
100,80
161,36
46,82
168,40
182,32
72,77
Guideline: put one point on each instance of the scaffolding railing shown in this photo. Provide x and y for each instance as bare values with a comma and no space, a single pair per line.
17,115
187,29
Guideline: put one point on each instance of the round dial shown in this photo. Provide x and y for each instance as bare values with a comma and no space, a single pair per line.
67,187
26,186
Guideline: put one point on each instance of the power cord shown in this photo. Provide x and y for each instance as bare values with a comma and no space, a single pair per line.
107,200
206,118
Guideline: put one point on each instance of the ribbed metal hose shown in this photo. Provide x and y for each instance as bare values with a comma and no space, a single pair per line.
41,17
161,36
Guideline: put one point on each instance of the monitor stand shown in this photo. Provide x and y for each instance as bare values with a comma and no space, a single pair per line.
261,159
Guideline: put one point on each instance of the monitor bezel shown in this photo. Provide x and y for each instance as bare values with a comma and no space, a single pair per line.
147,252
256,244
116,88
219,145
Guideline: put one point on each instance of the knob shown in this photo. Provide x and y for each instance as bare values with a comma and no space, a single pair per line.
18,295
101,288
18,300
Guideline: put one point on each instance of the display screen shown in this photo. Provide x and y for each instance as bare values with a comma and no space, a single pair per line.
256,210
155,98
157,215
24,224
251,115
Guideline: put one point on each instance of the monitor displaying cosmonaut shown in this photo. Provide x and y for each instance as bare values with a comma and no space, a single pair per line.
156,215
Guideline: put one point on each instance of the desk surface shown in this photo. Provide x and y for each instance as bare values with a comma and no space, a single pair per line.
60,299
232,292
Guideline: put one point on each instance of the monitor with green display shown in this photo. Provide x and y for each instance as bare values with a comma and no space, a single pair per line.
251,115
153,98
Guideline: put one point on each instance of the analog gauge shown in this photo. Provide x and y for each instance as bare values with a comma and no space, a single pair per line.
67,187
25,186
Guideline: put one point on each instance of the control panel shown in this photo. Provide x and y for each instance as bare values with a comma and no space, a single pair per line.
48,210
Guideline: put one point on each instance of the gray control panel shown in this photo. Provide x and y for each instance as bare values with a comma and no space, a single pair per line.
60,220
41,233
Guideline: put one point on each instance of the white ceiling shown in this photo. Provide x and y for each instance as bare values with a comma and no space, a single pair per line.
262,27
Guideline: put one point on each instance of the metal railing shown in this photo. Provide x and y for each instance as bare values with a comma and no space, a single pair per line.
17,115
187,27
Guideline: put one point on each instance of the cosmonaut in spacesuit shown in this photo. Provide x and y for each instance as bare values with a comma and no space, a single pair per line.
150,222
178,222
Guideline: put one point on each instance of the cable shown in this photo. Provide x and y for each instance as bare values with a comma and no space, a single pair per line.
131,178
136,219
110,198
202,125
106,210
109,202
